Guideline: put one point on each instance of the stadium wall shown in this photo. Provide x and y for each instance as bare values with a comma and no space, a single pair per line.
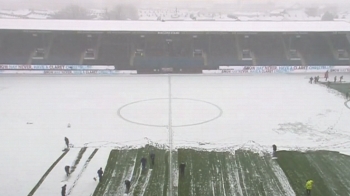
276,69
110,70
63,70
167,70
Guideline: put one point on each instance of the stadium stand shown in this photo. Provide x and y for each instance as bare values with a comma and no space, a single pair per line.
111,49
189,45
268,50
16,47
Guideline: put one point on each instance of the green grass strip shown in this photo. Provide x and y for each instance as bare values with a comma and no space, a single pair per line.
101,187
298,168
125,164
223,173
46,174
334,169
341,87
158,181
77,160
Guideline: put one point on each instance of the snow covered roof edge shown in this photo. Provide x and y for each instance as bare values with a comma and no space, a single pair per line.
174,26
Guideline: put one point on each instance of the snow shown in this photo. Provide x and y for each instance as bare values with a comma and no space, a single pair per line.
204,11
136,181
86,185
37,16
144,186
4,16
257,111
177,26
57,175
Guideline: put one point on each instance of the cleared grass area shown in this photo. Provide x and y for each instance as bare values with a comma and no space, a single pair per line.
238,173
341,87
77,160
329,170
224,173
125,164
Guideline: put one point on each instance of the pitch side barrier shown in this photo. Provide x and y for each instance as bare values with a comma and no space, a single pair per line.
110,69
56,67
67,72
277,69
62,70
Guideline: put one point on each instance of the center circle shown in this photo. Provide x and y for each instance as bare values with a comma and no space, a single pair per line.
347,104
155,112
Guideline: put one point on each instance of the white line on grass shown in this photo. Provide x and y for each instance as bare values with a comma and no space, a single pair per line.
212,187
136,182
126,175
240,169
146,182
170,140
82,171
282,178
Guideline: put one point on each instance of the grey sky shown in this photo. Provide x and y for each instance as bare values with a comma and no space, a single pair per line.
57,4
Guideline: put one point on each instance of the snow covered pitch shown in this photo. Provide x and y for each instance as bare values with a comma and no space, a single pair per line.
208,112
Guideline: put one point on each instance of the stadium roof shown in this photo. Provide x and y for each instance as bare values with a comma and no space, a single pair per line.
174,26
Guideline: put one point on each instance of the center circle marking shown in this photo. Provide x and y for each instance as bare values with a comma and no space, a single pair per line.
347,104
216,107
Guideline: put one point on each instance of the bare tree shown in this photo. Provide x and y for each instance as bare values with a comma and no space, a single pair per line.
311,11
327,17
123,12
74,12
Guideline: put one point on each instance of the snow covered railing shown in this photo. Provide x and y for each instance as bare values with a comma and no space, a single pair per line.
56,67
62,70
276,69
67,72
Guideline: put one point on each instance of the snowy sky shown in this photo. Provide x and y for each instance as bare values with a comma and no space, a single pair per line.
42,4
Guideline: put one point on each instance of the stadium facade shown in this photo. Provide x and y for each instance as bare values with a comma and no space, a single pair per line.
102,47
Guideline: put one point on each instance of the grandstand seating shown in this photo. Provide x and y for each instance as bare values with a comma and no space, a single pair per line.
340,42
16,47
268,50
184,45
315,50
223,51
190,50
113,50
67,49
163,61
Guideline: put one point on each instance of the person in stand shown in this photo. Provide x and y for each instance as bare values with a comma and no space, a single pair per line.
67,141
127,186
67,169
326,75
182,169
310,81
63,191
308,186
335,79
341,78
274,150
152,156
100,173
143,163
315,80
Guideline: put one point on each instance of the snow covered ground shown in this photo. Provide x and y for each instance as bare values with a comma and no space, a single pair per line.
211,112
